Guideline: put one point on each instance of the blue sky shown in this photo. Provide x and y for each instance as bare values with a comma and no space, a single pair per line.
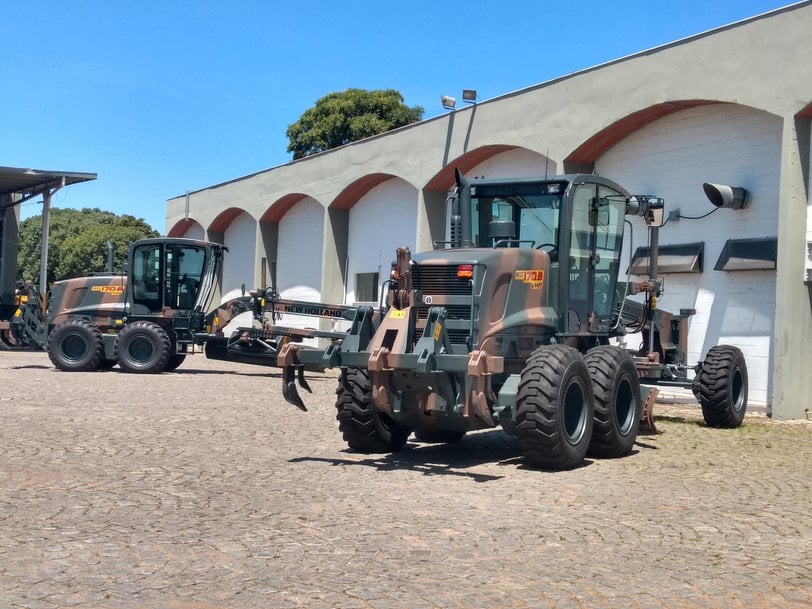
160,97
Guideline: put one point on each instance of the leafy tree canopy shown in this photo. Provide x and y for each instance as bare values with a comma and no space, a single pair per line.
347,116
77,245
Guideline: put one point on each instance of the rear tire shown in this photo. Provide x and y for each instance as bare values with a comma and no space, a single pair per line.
618,401
363,427
143,347
721,387
554,408
76,345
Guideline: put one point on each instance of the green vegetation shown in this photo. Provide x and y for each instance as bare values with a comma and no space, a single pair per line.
347,116
78,242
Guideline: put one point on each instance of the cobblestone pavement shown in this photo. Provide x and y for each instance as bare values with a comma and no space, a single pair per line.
203,489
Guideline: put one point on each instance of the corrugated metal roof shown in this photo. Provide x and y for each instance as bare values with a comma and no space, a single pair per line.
29,183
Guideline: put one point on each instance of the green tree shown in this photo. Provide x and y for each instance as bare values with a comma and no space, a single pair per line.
347,116
77,245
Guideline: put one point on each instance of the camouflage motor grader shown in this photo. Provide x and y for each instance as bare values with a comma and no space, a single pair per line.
510,322
146,320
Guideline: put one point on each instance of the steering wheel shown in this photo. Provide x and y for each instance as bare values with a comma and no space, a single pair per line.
552,252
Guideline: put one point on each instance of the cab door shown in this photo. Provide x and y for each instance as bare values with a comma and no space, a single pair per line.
581,248
596,239
609,214
166,276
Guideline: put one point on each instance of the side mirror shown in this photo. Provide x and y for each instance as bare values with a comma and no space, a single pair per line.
655,214
649,207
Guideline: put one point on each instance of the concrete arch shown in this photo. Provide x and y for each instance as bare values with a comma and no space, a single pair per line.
495,160
356,190
281,206
383,218
444,179
189,228
223,220
583,158
470,161
297,258
269,234
237,230
672,156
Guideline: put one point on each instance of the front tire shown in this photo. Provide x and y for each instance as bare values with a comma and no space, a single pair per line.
554,408
143,347
618,401
76,345
362,426
721,387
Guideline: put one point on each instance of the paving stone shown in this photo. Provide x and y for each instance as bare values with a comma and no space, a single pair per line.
203,489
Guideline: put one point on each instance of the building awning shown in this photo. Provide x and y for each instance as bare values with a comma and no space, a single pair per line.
30,183
748,255
678,258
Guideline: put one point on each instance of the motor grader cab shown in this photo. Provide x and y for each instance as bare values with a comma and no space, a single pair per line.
509,321
146,320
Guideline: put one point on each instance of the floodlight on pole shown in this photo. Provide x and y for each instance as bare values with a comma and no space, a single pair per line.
449,103
469,96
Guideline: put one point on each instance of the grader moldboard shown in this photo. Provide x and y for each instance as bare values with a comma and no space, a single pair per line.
509,322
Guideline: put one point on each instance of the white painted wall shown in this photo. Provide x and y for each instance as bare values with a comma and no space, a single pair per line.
381,221
808,266
517,163
298,260
671,158
238,265
195,231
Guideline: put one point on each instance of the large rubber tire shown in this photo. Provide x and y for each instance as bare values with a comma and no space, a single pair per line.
143,347
363,427
554,408
618,401
722,386
76,345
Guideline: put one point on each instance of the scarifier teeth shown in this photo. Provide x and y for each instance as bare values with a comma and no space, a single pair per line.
289,390
303,381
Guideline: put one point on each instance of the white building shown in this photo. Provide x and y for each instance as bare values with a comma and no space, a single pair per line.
730,106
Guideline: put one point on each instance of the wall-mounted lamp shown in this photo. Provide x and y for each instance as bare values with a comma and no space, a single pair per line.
449,103
469,95
722,195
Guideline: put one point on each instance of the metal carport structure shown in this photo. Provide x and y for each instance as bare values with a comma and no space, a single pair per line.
18,185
